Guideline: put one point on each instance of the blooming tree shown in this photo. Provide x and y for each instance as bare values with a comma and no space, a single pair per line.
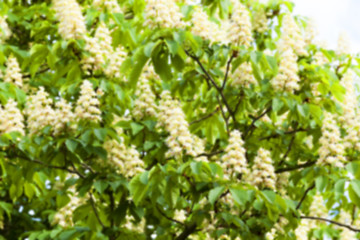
174,119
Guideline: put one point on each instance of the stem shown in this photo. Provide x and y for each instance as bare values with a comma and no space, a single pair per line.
331,221
95,211
288,169
304,196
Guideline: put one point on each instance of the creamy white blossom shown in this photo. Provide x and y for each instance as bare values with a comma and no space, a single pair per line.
13,72
243,75
172,118
320,59
343,46
287,79
39,111
260,21
103,37
206,29
239,28
145,98
291,37
317,207
116,58
331,149
71,21
5,31
263,171
64,115
88,104
163,13
11,118
234,160
109,5
125,159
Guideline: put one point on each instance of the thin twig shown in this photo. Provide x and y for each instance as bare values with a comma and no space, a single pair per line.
205,117
95,211
227,71
279,134
255,120
210,154
167,217
331,221
288,150
292,168
304,196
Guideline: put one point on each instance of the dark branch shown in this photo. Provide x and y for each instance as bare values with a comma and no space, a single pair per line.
167,217
210,154
187,232
280,134
205,117
95,211
227,71
304,196
331,221
255,120
288,150
39,72
292,168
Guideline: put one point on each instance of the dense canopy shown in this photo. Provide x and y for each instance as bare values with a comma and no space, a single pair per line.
174,119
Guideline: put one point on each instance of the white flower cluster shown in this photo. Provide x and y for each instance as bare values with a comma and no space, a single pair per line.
205,28
263,172
99,48
302,231
282,182
11,119
125,159
116,58
332,149
110,5
180,139
13,72
271,235
287,79
64,216
180,215
310,32
291,37
145,98
260,21
234,160
343,46
163,13
64,115
239,28
71,21
5,31
243,75
131,225
346,218
317,207
320,59
39,111
88,104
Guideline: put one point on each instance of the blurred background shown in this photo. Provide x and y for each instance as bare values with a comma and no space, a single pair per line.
333,17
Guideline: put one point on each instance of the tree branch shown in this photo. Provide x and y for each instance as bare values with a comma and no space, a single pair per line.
304,196
227,71
255,120
187,232
205,117
278,134
332,222
95,211
167,217
210,154
292,168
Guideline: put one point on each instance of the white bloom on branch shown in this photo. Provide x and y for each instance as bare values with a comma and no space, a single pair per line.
260,21
64,115
5,31
287,79
234,161
71,21
88,104
291,37
11,118
243,75
110,5
116,59
163,14
13,72
39,111
239,28
263,171
331,149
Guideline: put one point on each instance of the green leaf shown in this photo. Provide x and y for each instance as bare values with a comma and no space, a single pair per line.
215,193
240,196
321,183
100,186
136,128
137,189
71,145
277,104
100,133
